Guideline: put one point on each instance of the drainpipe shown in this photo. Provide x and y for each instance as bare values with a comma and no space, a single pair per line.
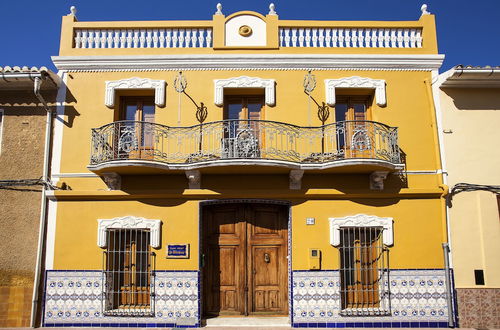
433,91
45,177
449,298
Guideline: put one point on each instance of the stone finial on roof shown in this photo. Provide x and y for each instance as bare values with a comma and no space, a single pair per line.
72,10
271,9
424,9
219,9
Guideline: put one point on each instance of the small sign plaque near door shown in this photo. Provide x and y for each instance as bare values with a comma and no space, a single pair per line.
178,251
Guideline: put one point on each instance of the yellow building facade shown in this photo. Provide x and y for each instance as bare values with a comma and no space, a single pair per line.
469,103
247,166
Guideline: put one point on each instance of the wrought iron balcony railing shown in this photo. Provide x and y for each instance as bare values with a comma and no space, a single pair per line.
244,140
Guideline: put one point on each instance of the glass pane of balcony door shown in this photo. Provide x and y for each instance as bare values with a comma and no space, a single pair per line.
241,131
139,114
350,116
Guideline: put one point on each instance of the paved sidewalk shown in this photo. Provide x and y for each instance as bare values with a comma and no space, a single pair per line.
249,327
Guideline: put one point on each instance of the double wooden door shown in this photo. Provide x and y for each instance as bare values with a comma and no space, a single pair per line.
245,259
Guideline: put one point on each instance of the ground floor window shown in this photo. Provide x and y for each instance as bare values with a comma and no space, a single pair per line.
128,272
363,271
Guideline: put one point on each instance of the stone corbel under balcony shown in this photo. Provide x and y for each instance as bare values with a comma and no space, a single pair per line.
113,180
377,180
296,179
194,179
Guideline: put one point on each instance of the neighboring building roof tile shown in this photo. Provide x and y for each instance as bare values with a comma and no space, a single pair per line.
469,76
17,77
24,69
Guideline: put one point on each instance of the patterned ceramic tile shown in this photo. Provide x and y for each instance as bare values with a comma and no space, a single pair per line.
76,297
415,296
478,308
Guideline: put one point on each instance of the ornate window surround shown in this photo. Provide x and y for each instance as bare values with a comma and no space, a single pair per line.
128,222
244,82
361,220
355,82
135,83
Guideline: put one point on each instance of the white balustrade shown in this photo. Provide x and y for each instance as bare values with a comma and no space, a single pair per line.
143,38
349,37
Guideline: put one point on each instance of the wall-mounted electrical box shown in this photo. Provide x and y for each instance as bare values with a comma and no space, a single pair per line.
314,259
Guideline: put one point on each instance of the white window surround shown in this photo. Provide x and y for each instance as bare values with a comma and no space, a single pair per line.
135,83
355,82
128,222
244,82
361,220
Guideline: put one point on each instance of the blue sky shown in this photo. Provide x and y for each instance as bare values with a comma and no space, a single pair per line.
468,31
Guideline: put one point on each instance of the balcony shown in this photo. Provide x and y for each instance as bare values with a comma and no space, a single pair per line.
244,145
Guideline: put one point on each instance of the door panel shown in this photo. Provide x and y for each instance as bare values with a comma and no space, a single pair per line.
246,266
267,241
224,257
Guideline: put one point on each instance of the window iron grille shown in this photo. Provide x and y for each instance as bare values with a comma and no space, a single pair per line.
364,272
128,273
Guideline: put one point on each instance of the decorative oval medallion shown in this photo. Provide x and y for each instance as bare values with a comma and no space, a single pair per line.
245,31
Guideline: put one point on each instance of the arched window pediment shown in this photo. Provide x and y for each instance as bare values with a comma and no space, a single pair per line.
361,220
128,222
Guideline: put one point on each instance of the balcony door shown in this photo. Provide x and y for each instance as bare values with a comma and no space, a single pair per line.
353,137
243,136
138,114
245,259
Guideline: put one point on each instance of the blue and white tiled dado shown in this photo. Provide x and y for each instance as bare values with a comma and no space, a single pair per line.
75,298
416,296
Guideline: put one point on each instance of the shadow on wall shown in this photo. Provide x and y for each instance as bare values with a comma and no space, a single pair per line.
474,98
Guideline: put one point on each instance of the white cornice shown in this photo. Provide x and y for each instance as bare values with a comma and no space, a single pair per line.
250,62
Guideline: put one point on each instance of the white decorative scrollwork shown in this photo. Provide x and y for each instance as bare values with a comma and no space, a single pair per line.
361,220
135,83
128,222
244,82
360,140
128,139
246,144
355,82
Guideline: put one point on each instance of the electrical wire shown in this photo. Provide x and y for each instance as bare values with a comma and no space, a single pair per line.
466,187
22,183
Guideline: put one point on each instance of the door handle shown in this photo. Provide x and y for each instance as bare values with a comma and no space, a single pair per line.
267,258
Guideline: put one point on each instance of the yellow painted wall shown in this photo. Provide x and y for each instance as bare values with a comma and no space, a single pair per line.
472,155
407,108
76,234
417,235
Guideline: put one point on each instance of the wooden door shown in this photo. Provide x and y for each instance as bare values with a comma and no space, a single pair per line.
354,139
245,264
